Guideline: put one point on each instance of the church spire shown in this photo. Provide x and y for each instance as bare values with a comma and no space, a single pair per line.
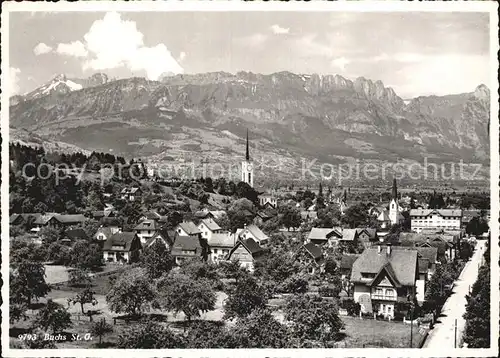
247,157
394,190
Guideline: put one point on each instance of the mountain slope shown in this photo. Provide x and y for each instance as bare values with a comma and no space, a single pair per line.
289,115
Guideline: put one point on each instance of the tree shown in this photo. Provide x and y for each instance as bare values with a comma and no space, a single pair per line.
50,234
27,282
157,260
261,330
476,226
85,256
149,335
290,217
58,253
83,297
131,293
180,293
356,216
100,328
53,315
477,314
246,297
232,269
294,284
90,227
313,319
198,269
79,278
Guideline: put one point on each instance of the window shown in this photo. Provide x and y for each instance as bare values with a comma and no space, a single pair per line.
215,251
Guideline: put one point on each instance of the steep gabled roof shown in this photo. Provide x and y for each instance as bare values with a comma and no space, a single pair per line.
349,234
189,227
187,243
313,250
223,239
120,241
323,233
76,234
386,271
211,224
256,232
403,262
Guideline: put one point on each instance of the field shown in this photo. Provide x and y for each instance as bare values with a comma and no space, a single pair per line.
365,333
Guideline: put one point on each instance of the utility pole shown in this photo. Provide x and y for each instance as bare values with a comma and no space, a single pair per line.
455,333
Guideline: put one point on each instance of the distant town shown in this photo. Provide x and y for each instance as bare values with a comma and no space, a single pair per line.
138,261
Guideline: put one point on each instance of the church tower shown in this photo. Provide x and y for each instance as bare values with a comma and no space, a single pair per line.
394,214
247,167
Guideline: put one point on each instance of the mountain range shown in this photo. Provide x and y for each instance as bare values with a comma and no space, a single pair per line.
289,116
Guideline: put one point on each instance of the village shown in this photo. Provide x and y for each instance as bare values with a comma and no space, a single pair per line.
371,274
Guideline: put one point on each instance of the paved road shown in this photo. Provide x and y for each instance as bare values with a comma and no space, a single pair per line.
443,334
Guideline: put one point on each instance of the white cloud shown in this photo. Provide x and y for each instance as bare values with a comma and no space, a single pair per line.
340,62
182,56
14,80
113,42
41,49
308,46
75,49
278,30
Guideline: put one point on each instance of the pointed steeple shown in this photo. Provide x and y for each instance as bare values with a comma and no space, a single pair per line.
394,190
247,157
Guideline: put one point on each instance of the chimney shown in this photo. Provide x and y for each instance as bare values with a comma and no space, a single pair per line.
389,249
379,249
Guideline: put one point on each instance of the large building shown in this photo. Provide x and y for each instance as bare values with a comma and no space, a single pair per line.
439,219
247,168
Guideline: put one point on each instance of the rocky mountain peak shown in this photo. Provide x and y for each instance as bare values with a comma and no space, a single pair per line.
482,92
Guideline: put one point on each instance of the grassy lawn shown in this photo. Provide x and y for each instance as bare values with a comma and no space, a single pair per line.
371,333
56,274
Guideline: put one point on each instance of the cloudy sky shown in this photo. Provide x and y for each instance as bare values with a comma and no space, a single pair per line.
415,53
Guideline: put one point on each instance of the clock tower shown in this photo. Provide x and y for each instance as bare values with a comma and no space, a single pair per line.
247,167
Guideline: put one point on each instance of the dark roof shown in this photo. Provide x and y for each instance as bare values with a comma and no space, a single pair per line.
146,225
120,241
162,234
313,250
403,263
347,261
107,221
187,243
423,265
76,234
251,245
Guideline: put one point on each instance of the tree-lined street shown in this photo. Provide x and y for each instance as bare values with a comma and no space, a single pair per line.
443,334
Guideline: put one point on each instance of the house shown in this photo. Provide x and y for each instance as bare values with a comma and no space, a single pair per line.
262,217
123,247
208,227
311,257
98,215
220,244
349,235
247,252
346,263
268,199
131,194
446,245
367,236
57,220
145,230
185,247
382,277
104,233
152,215
23,219
450,219
114,224
165,236
73,235
252,231
323,236
188,228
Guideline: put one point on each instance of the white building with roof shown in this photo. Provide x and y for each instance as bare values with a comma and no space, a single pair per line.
439,219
